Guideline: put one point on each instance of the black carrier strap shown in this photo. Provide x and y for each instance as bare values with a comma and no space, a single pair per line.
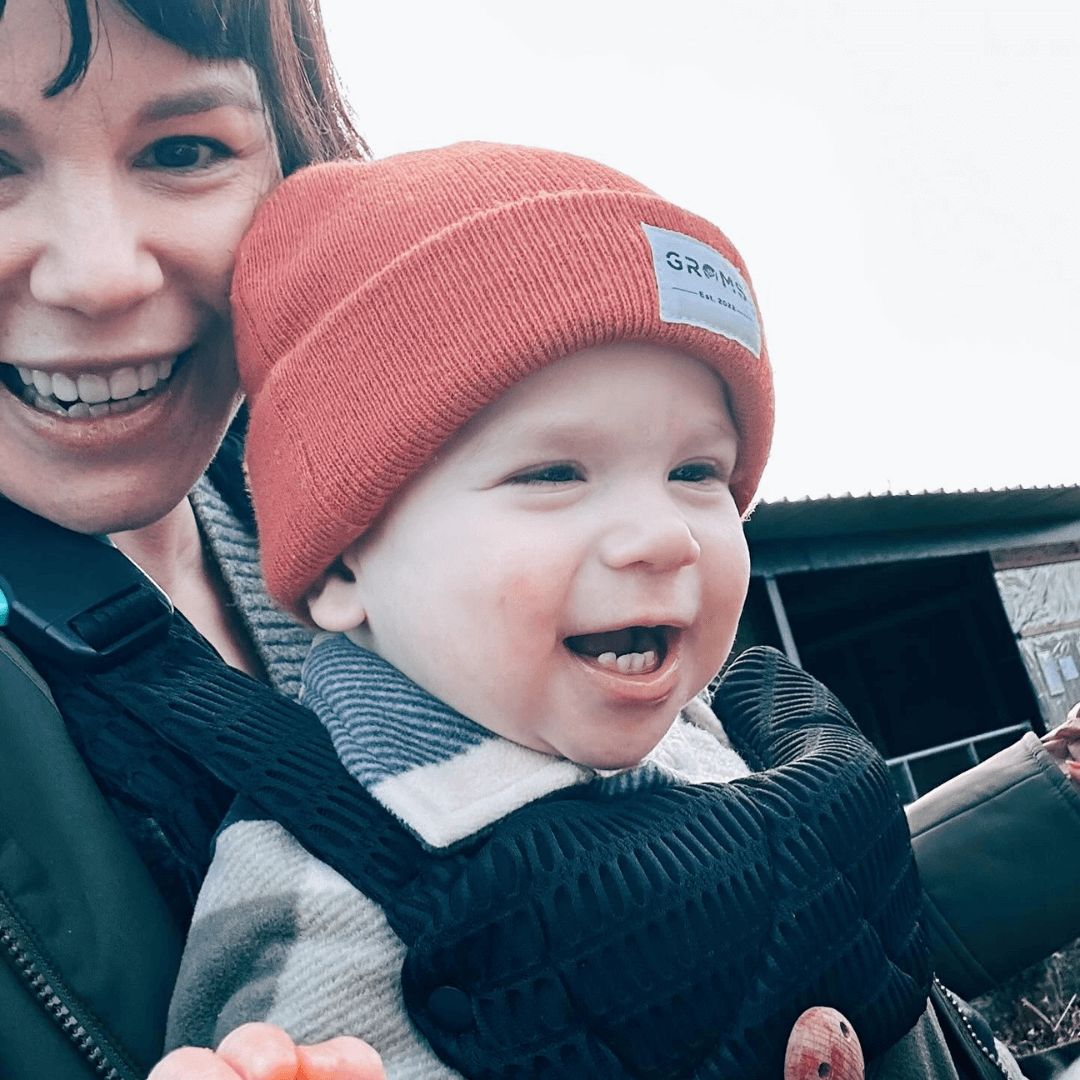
674,932
71,598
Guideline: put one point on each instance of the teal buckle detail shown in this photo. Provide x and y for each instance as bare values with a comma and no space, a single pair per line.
4,609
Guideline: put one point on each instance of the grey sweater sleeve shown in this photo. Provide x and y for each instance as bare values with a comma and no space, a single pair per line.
280,937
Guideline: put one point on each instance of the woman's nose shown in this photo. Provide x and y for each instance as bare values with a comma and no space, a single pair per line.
94,259
658,539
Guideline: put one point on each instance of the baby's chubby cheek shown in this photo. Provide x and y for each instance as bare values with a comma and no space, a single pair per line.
529,605
529,612
503,613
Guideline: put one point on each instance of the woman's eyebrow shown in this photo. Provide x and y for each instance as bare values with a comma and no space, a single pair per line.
187,103
192,102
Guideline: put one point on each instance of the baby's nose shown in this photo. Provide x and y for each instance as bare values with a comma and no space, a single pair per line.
659,542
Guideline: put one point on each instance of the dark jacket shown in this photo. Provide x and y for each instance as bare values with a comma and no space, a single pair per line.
997,852
84,930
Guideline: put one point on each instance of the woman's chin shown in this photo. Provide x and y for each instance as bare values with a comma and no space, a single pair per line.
101,508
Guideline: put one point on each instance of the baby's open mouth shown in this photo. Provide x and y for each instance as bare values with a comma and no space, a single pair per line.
632,650
90,395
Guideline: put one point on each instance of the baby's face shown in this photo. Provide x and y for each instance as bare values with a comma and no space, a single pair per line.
570,571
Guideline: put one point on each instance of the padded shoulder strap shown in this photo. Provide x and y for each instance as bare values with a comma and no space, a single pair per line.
261,744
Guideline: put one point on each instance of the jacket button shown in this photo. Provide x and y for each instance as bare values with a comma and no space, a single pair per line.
450,1008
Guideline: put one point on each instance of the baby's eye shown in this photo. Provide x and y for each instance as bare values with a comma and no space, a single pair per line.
561,473
183,153
694,472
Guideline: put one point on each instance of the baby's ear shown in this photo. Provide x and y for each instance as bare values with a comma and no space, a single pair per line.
334,602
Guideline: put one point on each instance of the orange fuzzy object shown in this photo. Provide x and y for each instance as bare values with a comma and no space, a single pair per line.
823,1046
379,306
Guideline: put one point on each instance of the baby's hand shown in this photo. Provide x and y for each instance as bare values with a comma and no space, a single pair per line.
265,1052
1063,744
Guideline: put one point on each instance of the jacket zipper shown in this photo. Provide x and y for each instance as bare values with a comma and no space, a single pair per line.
966,1033
86,1035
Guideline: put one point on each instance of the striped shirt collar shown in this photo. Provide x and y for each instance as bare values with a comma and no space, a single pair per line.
442,775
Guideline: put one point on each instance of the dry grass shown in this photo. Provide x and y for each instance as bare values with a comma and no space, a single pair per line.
1039,1008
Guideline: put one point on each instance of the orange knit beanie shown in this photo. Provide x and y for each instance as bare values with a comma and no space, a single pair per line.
378,306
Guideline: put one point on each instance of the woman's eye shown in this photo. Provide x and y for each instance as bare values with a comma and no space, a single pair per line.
183,153
549,474
694,472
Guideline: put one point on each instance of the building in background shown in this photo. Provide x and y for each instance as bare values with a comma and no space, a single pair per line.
947,622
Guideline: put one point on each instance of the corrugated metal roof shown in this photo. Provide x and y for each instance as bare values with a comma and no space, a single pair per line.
924,511
855,530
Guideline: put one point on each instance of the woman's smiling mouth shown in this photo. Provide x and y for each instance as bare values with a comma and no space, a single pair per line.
92,394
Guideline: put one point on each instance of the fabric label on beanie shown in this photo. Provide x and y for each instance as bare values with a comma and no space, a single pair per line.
698,286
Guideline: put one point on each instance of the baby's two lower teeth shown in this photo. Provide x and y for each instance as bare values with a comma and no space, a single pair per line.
628,663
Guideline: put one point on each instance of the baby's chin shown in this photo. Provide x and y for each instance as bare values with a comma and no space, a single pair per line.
627,753
611,764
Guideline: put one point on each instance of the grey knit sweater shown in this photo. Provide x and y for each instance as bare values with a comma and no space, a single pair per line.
281,643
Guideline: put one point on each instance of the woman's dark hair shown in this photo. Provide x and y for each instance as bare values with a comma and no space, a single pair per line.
283,40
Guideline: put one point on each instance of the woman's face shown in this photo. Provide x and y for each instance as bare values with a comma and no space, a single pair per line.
122,201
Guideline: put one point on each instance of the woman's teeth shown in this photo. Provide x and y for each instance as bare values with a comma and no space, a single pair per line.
630,663
92,394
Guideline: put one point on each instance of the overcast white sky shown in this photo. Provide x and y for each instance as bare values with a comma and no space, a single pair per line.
901,180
